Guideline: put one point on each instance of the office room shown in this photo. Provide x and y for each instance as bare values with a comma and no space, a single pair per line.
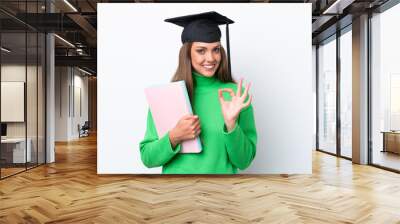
199,112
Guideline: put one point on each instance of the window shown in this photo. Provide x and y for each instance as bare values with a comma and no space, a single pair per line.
327,96
346,93
385,88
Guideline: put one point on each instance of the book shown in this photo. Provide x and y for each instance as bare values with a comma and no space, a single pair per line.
168,104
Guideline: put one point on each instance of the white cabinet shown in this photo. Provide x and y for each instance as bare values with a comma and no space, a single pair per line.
18,149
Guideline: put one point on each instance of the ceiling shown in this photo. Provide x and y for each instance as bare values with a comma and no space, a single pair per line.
76,22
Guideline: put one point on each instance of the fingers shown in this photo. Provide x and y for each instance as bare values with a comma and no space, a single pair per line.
195,130
194,135
248,102
229,90
220,93
239,88
186,117
198,133
246,91
189,127
195,124
220,96
190,117
195,119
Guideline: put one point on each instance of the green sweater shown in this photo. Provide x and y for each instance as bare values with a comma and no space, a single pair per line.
223,152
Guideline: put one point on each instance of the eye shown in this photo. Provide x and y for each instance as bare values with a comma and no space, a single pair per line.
217,49
200,51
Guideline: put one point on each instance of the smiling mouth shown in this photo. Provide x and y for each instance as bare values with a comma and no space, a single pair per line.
209,67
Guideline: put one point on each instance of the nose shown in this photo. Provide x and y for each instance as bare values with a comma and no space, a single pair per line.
210,57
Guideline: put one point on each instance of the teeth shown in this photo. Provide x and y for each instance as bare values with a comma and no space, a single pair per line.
208,66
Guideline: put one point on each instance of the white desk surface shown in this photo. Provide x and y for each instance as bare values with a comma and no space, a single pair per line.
13,140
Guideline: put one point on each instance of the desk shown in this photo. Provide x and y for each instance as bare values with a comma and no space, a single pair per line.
391,141
15,148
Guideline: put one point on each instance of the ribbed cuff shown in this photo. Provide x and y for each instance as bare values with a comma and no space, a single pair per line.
225,130
231,137
168,142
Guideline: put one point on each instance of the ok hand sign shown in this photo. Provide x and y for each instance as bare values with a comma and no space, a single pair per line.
231,109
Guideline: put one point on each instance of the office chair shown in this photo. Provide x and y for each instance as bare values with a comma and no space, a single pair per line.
84,130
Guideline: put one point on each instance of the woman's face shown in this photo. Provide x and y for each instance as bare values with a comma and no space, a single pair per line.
206,57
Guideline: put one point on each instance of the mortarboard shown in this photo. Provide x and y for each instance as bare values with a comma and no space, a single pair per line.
203,27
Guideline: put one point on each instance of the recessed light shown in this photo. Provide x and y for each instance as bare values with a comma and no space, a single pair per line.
84,71
64,40
5,50
70,5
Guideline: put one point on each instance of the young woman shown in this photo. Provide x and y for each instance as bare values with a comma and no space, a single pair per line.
223,115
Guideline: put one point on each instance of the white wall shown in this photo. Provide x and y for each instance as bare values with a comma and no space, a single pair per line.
61,103
67,84
270,46
314,90
80,84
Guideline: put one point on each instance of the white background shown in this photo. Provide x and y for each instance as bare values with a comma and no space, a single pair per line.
270,46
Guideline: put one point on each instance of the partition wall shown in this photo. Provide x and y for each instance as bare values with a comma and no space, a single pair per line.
22,90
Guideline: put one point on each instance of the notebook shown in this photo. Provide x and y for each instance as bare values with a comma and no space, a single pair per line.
168,103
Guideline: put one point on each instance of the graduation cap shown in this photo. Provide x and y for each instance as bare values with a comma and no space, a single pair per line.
203,27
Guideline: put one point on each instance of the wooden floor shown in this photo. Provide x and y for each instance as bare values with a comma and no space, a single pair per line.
70,191
387,159
8,171
5,172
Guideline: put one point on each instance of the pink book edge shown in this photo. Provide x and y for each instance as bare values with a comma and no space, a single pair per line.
188,143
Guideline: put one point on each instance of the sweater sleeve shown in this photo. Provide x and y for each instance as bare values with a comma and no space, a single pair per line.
242,140
156,152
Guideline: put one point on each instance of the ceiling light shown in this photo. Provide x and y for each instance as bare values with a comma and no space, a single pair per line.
84,71
5,50
70,5
338,6
331,7
64,40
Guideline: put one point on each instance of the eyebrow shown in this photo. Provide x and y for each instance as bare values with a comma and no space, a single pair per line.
201,47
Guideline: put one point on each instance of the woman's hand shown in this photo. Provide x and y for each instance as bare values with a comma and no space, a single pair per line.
188,127
231,109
